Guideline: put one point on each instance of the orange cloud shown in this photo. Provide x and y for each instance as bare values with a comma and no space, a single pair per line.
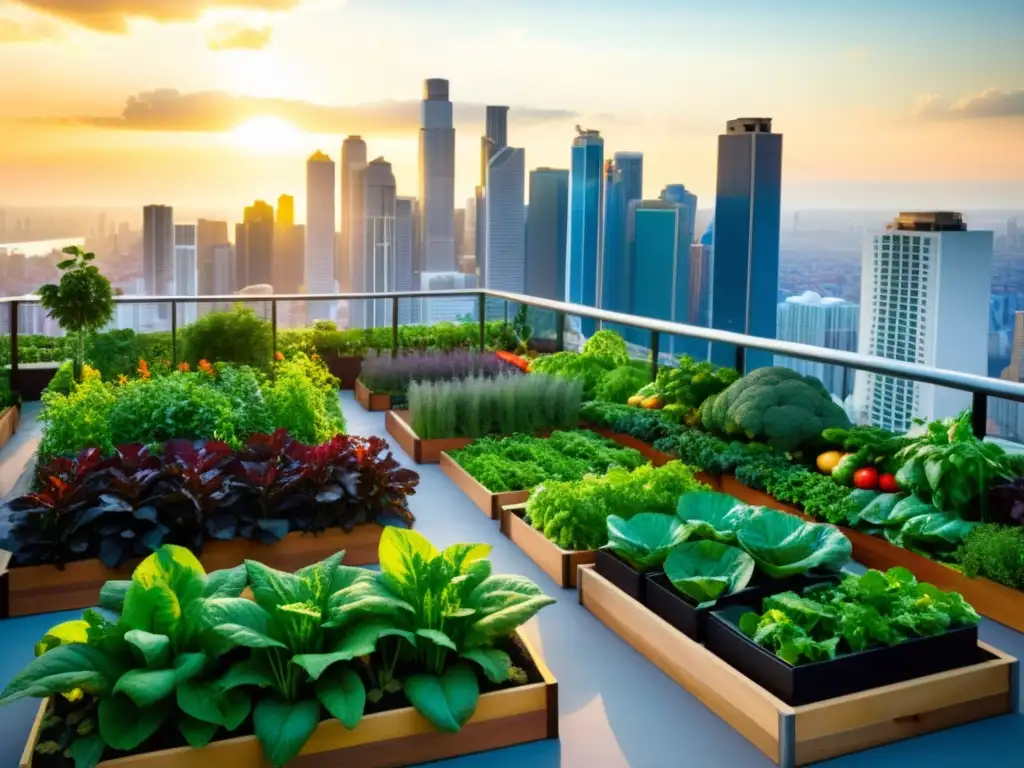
234,37
12,31
112,15
989,104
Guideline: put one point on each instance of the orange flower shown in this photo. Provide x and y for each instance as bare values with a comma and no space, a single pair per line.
122,379
205,367
183,367
315,357
278,356
143,370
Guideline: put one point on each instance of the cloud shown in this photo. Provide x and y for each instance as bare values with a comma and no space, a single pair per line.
215,111
12,31
113,15
237,36
989,104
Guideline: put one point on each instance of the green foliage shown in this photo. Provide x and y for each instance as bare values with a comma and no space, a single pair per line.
77,420
995,552
82,302
816,494
325,338
691,382
784,545
589,369
646,425
574,514
859,613
239,336
620,384
607,345
303,398
474,407
909,522
776,406
63,380
645,540
116,353
866,446
521,462
707,570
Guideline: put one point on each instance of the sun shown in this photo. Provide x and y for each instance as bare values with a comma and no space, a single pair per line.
266,133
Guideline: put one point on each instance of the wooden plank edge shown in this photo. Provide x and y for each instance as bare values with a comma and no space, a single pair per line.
33,735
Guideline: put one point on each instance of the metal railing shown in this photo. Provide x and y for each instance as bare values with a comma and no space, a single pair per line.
980,387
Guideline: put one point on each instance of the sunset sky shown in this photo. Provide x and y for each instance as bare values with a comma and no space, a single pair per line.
883,103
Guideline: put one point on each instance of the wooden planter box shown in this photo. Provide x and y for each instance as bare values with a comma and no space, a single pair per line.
421,451
488,502
992,600
9,419
383,740
794,736
44,588
649,452
345,367
370,400
560,564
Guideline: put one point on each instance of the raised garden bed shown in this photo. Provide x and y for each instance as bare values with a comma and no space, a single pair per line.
652,454
421,451
37,589
488,502
10,418
560,564
994,601
801,735
372,401
383,740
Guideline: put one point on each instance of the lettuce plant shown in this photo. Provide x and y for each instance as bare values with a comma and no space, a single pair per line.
707,570
644,541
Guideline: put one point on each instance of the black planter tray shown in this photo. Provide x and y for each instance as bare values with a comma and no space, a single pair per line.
682,612
622,574
847,673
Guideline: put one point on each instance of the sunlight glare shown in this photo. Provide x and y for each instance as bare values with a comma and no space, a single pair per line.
266,133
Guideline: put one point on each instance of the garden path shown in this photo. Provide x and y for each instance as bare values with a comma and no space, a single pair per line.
617,709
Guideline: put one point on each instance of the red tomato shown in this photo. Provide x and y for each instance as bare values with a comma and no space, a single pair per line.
888,484
866,479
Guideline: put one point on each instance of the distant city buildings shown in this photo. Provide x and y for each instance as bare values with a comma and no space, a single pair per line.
185,279
353,161
437,178
746,244
925,285
320,240
584,228
495,139
546,228
504,264
822,322
678,193
373,255
158,253
254,246
623,184
447,309
405,238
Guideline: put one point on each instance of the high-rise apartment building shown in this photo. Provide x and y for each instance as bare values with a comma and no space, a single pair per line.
373,264
320,240
925,284
678,193
209,234
504,264
222,275
745,286
254,246
353,161
584,228
405,215
495,138
185,278
158,252
699,306
437,178
546,226
821,321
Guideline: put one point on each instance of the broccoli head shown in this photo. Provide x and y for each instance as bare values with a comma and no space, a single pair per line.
776,406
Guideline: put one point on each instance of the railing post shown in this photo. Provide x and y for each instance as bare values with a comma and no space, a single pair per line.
14,347
560,331
655,351
394,326
741,360
482,309
979,414
273,329
174,334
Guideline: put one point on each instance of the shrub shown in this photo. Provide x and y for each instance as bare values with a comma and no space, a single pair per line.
63,380
303,398
607,345
521,462
476,406
995,552
80,419
619,385
574,515
239,336
392,375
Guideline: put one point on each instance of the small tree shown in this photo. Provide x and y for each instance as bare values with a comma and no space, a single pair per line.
81,303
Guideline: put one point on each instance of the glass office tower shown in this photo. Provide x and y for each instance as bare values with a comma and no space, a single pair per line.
584,235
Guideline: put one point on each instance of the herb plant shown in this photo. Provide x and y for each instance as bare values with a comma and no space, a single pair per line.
994,552
384,373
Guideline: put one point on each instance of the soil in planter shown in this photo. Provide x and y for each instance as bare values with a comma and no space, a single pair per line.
622,574
848,672
168,737
681,611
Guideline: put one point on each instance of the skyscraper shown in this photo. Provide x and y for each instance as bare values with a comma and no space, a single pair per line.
437,178
745,286
546,227
583,231
319,267
209,234
623,183
373,265
286,272
185,270
505,260
405,213
678,193
254,246
158,252
925,286
660,284
699,308
822,322
353,161
285,211
495,138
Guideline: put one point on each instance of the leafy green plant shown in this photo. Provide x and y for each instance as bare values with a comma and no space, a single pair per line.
711,515
707,570
621,383
816,494
859,613
646,425
865,446
303,398
475,407
995,552
910,522
691,382
590,369
608,345
521,462
117,353
574,515
63,380
82,302
784,545
239,336
644,540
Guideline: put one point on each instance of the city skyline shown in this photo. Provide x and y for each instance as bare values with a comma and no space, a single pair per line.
925,118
